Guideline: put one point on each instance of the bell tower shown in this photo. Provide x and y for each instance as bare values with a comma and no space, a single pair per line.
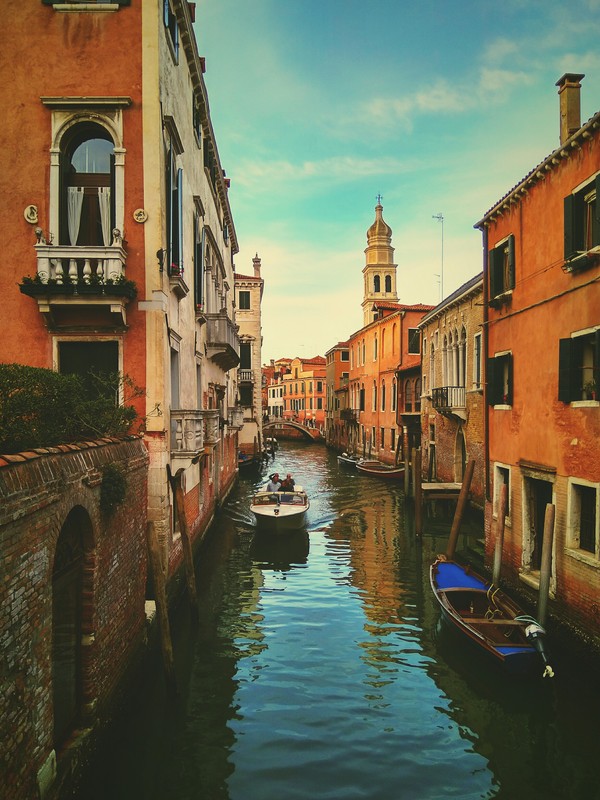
379,271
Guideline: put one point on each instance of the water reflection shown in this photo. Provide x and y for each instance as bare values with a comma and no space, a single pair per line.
318,669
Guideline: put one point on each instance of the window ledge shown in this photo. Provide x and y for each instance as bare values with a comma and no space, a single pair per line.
500,299
585,403
502,407
583,556
79,7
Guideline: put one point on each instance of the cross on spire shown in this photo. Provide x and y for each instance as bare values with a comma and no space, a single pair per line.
379,199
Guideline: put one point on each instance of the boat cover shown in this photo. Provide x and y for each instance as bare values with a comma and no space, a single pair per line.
452,576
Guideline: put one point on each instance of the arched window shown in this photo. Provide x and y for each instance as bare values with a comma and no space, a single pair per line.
87,203
374,396
418,394
388,283
408,398
394,338
383,395
394,395
375,348
376,284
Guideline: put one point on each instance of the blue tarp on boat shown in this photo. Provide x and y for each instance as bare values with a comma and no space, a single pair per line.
452,576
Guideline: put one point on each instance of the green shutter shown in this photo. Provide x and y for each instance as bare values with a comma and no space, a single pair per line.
569,250
566,382
511,262
491,377
509,388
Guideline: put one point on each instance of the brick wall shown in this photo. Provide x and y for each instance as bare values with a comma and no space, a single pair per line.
42,493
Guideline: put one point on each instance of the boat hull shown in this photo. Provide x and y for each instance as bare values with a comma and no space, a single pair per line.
347,461
378,470
484,615
279,512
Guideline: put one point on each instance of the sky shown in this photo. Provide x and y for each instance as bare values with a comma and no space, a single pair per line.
439,106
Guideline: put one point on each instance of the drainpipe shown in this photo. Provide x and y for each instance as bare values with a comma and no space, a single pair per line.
486,408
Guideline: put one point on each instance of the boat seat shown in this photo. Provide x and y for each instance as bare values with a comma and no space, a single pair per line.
492,621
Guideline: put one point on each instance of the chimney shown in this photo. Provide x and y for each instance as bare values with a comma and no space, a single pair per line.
570,104
256,265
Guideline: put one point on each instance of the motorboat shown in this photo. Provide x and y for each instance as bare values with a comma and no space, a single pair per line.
380,470
281,511
485,615
348,460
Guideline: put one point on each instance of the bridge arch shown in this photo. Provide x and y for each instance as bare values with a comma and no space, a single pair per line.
272,427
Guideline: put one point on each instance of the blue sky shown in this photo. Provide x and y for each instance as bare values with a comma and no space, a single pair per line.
320,105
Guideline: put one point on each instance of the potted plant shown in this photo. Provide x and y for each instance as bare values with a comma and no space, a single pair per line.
589,390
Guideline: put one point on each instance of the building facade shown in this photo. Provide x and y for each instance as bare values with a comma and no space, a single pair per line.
304,392
249,291
452,389
542,321
119,238
337,378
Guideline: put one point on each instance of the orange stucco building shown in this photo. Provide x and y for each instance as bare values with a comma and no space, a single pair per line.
304,391
542,328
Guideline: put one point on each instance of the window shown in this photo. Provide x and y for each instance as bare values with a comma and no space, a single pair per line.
345,356
246,395
477,360
500,380
583,517
414,341
319,386
81,358
392,438
501,266
501,478
172,27
418,394
174,189
245,355
374,397
388,283
197,121
199,242
244,300
579,367
87,162
383,395
361,406
582,224
319,403
376,284
375,348
408,399
382,434
394,393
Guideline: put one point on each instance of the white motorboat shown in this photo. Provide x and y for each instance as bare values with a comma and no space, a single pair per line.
278,512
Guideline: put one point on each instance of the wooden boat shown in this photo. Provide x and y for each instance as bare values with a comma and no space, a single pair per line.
485,615
246,460
348,460
278,512
380,470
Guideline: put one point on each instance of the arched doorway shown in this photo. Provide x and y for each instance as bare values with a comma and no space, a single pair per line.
67,613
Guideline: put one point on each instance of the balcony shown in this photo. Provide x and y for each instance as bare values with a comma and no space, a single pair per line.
83,286
187,435
350,414
245,376
450,400
212,427
222,341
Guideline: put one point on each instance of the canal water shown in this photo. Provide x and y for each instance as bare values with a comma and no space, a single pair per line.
319,669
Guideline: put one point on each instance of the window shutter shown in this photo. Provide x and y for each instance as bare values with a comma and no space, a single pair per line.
495,271
570,248
491,374
168,205
509,389
166,11
566,382
179,231
511,262
596,218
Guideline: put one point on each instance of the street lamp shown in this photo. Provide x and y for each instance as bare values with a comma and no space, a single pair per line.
440,218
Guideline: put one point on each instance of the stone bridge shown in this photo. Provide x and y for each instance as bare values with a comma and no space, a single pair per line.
271,429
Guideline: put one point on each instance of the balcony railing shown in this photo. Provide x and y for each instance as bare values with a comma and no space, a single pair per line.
447,398
212,429
245,376
222,340
187,433
83,264
350,414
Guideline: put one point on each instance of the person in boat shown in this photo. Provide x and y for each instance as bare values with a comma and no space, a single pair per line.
288,483
274,483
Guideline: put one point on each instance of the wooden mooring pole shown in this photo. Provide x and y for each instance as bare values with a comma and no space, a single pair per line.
546,565
162,610
460,510
418,492
186,542
500,535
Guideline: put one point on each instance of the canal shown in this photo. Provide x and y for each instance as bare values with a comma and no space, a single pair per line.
318,669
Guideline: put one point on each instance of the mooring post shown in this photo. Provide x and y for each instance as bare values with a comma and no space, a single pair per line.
186,542
407,472
162,610
546,565
500,535
460,510
418,493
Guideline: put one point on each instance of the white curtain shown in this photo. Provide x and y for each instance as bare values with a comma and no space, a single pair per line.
74,205
104,202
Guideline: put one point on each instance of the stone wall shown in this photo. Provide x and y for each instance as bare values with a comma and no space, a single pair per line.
46,495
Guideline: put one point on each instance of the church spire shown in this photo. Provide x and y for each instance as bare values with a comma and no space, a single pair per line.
379,271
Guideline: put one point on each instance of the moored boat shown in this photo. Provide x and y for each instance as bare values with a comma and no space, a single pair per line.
348,460
380,470
281,511
488,617
246,460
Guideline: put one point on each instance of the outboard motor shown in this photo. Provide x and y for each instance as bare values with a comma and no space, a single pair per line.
536,635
